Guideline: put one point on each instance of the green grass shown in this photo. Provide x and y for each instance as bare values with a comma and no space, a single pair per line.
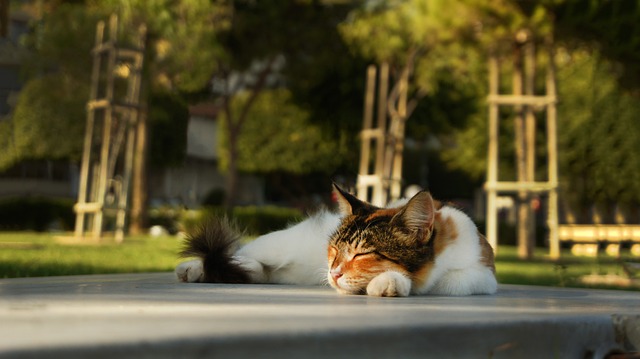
565,272
27,254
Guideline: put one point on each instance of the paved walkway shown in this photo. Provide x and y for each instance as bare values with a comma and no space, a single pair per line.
154,316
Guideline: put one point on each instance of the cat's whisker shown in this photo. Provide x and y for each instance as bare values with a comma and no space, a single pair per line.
321,274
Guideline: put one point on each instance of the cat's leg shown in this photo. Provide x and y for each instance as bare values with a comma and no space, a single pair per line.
254,268
190,271
389,284
468,281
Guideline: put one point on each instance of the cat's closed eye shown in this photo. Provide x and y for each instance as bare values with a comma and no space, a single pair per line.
364,255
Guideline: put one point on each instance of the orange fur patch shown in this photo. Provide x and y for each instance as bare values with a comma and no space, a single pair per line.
390,212
447,232
421,275
364,269
486,257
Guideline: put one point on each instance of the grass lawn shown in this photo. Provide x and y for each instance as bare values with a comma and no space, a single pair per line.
565,272
33,254
27,254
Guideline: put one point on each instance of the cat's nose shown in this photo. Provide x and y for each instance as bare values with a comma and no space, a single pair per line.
336,274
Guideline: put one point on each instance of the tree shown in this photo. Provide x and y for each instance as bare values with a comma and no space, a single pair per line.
59,67
168,121
278,137
180,56
600,157
281,52
611,27
48,121
446,41
597,160
48,127
182,50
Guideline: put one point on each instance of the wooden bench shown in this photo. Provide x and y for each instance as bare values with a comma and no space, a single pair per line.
586,238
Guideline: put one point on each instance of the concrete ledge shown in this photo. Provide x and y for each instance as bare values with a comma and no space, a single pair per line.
151,315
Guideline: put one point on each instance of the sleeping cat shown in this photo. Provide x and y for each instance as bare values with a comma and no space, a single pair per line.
414,246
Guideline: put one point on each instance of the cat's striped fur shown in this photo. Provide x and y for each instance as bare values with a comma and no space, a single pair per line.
420,247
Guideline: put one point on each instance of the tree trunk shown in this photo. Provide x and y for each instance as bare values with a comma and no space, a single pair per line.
139,195
234,126
4,18
523,201
232,172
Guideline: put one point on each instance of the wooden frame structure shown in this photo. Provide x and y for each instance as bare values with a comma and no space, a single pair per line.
586,239
110,135
380,173
525,102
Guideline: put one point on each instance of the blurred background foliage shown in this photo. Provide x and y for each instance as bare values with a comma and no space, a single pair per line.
288,77
278,136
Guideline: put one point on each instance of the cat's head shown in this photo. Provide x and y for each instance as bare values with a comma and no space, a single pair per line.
372,240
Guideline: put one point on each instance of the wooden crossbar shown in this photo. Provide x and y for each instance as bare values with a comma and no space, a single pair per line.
507,186
588,233
118,106
520,100
587,239
121,52
91,207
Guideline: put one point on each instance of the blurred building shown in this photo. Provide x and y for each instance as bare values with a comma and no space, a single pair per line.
198,179
12,26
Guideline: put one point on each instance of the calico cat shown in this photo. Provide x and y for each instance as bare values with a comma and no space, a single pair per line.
415,246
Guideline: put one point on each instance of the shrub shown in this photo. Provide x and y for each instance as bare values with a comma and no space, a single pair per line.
255,220
215,197
165,216
36,214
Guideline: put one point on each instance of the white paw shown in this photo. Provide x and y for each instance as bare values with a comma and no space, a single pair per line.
190,271
389,284
253,267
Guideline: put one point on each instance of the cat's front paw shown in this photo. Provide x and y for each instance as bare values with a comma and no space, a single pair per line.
389,284
190,271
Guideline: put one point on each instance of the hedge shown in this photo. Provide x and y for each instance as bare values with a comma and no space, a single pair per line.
255,220
36,214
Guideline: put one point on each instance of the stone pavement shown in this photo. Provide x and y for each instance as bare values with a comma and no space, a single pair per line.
154,316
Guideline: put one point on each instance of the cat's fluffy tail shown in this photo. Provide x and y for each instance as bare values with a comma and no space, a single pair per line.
214,243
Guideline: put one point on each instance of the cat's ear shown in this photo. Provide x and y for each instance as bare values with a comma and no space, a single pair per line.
418,215
347,202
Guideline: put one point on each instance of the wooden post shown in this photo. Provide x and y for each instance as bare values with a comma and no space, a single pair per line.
522,203
379,193
106,134
367,124
88,136
492,162
396,174
133,94
552,153
530,142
